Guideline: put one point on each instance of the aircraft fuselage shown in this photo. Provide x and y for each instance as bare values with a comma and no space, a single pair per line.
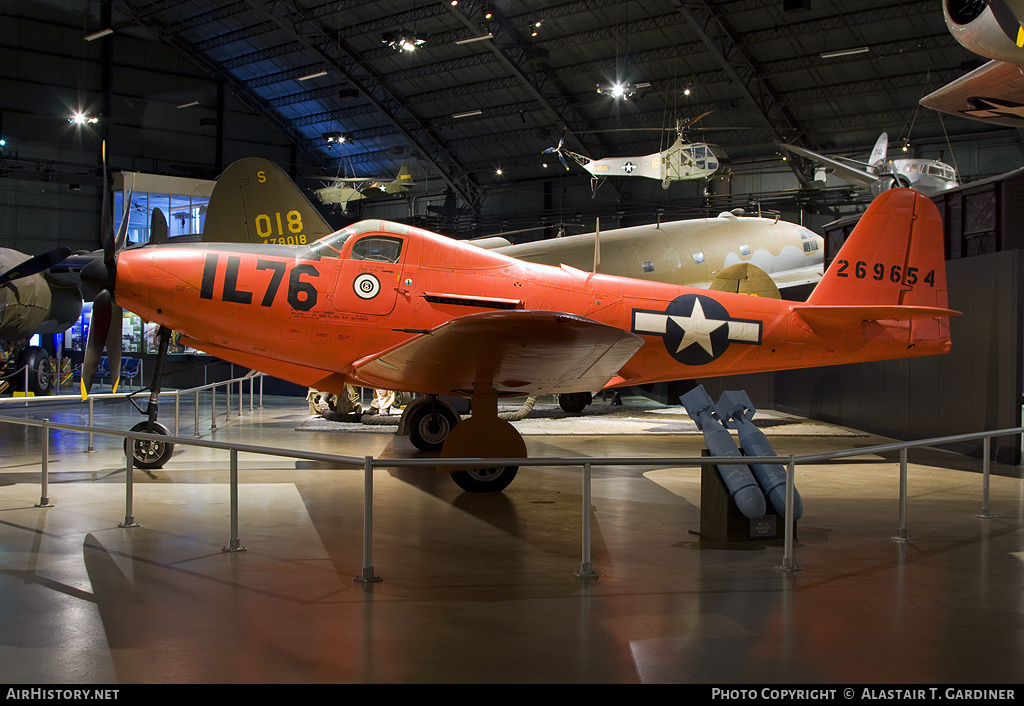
311,314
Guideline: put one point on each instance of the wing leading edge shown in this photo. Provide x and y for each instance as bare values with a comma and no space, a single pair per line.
509,352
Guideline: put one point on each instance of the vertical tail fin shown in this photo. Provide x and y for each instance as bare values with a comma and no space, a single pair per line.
254,201
895,256
881,150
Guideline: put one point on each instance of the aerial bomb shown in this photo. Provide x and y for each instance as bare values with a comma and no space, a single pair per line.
738,479
737,412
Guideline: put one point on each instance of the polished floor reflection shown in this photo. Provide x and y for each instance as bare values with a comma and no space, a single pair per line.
481,588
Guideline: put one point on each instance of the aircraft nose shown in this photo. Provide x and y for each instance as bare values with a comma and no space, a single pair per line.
97,276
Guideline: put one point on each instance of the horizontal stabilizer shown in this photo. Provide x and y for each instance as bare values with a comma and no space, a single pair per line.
849,317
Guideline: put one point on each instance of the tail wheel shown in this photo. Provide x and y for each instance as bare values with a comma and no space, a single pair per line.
147,453
430,425
485,480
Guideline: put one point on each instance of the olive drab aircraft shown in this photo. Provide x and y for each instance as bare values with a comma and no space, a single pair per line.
32,301
929,176
994,92
385,305
343,190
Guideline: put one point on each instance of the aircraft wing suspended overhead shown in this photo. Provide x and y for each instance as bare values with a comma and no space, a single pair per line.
511,352
843,170
992,93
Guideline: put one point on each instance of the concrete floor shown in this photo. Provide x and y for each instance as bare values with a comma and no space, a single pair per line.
482,589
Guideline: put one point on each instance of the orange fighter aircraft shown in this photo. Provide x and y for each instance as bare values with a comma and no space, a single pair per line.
384,305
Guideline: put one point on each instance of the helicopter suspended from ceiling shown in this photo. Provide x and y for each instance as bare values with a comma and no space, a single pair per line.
681,161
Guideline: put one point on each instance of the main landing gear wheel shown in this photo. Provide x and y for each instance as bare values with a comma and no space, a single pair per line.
574,402
40,371
485,480
147,453
429,426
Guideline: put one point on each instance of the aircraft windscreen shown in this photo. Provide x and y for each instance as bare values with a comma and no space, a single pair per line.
330,245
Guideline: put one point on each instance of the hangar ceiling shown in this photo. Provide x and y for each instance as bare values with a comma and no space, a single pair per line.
756,67
493,83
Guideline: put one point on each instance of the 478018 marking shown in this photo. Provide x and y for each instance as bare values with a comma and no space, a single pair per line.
879,271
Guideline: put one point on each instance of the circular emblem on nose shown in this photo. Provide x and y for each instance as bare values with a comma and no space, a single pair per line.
366,286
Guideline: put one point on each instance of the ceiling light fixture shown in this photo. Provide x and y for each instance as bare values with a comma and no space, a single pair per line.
467,114
617,90
96,35
403,40
82,119
470,40
844,52
188,105
332,137
307,77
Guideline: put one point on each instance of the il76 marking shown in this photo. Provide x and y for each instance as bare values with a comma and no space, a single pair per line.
301,293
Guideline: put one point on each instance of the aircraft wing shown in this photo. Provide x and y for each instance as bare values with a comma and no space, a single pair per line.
514,352
797,277
842,170
992,93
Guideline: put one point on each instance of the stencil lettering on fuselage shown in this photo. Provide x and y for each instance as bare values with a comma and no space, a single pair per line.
696,329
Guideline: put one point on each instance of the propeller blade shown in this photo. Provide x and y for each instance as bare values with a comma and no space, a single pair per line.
106,224
35,265
99,328
113,342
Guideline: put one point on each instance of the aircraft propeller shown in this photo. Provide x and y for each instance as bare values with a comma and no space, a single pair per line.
558,150
100,275
35,265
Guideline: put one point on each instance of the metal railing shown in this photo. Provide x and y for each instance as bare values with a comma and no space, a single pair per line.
586,463
251,376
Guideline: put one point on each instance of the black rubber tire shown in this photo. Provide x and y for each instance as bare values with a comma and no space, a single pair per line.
40,371
485,480
150,454
429,426
574,402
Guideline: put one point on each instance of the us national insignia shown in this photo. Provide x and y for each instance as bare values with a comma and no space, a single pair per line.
696,329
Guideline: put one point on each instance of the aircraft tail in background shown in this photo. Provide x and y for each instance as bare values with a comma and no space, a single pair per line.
254,201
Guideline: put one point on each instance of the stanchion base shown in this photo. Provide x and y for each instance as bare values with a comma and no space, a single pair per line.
586,572
367,576
902,536
44,503
788,567
235,547
128,523
985,514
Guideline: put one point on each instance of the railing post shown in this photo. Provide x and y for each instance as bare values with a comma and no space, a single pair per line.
901,531
213,407
44,488
90,448
367,576
195,434
986,469
129,455
586,568
177,412
788,563
227,401
234,545
26,384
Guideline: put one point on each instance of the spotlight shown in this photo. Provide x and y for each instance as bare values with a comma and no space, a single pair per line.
82,119
403,40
